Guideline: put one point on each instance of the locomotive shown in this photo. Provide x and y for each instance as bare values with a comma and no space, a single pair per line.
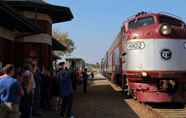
148,58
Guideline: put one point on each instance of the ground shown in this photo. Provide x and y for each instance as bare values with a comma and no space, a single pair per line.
105,100
101,101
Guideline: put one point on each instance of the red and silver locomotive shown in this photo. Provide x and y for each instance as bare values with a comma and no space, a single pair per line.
148,58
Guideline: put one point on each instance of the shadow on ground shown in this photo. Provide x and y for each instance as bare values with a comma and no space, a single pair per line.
101,102
167,105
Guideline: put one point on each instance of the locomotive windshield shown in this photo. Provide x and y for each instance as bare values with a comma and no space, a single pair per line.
170,21
141,22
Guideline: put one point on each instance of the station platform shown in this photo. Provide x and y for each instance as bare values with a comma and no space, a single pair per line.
101,101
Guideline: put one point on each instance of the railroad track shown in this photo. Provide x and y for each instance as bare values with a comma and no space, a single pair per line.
171,113
154,110
157,110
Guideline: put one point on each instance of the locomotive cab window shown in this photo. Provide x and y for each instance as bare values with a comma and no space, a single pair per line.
170,21
131,24
145,21
141,22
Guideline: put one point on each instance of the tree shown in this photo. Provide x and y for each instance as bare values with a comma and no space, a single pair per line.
64,39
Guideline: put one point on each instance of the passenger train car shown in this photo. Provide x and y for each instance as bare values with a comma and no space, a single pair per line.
148,58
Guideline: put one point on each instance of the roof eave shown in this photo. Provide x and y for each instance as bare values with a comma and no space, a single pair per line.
57,13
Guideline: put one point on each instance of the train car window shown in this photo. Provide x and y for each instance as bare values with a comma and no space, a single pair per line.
141,22
170,21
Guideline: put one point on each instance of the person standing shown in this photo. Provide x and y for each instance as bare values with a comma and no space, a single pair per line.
92,75
27,98
1,68
85,78
37,91
45,90
66,92
9,93
73,75
55,91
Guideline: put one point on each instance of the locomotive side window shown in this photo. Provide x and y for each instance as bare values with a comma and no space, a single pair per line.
141,22
170,21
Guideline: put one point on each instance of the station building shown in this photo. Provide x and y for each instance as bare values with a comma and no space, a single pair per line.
79,63
26,31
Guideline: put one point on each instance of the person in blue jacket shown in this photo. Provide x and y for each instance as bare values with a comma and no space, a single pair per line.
66,91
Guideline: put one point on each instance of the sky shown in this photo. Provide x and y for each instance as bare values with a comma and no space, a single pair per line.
97,22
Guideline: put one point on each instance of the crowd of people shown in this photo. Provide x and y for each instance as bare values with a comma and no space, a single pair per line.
24,91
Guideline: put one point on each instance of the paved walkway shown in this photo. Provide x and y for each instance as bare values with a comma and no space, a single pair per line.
101,101
99,76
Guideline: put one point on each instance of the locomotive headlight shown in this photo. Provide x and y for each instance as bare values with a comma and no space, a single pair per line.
165,29
144,74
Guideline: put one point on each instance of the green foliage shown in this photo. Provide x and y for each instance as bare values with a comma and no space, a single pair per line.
64,39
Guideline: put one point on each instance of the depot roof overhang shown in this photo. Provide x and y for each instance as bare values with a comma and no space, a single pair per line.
75,59
57,13
55,57
10,20
57,46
